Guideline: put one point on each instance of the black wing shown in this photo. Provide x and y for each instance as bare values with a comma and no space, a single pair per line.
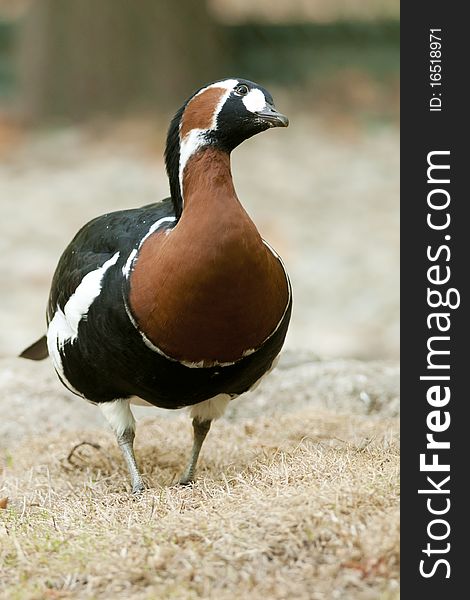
92,246
99,240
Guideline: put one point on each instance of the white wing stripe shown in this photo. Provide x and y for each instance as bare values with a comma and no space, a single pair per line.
64,325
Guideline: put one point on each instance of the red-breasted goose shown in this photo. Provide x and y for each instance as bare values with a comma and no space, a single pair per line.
181,302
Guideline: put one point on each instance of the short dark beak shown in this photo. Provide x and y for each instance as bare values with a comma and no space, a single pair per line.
271,116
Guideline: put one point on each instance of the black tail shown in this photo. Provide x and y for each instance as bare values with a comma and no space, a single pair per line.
37,351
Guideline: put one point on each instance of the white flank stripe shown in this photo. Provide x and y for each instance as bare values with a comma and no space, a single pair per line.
64,325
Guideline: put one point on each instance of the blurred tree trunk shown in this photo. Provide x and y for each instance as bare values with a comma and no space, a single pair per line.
81,57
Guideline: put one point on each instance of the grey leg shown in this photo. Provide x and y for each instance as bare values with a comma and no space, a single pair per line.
120,417
200,431
126,443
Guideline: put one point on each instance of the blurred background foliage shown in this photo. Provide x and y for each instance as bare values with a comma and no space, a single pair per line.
78,58
86,91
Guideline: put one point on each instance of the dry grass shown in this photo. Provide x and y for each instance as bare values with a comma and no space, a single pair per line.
301,505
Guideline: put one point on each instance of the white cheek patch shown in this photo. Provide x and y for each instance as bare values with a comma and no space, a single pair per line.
254,101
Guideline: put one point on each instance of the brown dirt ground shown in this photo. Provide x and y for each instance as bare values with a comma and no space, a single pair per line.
297,493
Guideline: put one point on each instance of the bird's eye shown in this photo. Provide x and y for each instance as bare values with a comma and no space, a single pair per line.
242,90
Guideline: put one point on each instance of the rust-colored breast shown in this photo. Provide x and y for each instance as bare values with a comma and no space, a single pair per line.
210,290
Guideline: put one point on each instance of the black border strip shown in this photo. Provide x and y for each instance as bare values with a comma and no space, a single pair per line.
424,131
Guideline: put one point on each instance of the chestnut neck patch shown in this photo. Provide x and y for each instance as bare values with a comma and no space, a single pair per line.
201,111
